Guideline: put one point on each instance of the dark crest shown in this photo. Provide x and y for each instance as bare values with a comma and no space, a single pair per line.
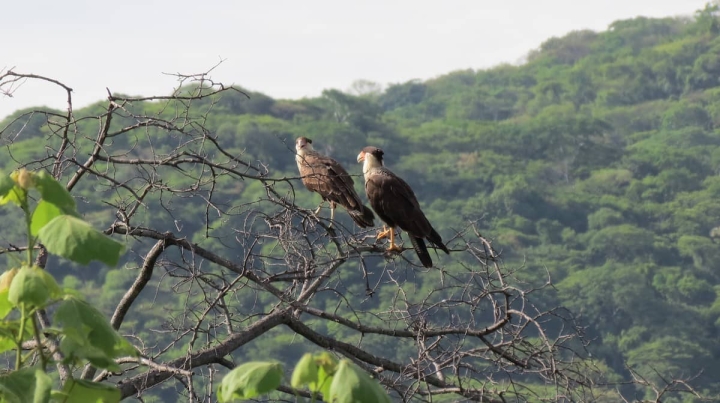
303,140
376,152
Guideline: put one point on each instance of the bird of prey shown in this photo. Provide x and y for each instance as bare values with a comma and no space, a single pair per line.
395,203
324,175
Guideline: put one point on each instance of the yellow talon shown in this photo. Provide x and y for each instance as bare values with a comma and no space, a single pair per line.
384,233
393,247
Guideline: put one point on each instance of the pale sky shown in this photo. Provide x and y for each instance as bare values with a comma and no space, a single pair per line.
285,49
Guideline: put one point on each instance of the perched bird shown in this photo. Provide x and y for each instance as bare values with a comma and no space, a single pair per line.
395,203
324,175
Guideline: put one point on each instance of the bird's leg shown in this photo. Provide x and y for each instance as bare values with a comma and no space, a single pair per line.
332,214
384,233
319,207
393,247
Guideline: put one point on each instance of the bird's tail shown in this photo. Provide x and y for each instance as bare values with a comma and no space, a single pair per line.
421,250
364,217
435,238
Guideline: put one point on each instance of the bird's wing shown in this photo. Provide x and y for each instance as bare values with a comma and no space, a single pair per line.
393,198
327,177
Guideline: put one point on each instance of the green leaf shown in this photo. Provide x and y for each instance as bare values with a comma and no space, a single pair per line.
97,356
327,366
7,341
353,385
5,305
6,183
43,386
52,191
88,335
305,372
81,391
22,386
5,280
7,336
9,331
43,214
73,238
250,380
33,287
16,194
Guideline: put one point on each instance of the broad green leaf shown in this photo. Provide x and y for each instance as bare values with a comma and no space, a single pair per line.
52,191
5,305
305,372
88,335
353,385
98,357
6,183
43,386
43,214
16,194
250,380
53,287
18,386
9,330
7,341
327,366
73,238
81,391
32,286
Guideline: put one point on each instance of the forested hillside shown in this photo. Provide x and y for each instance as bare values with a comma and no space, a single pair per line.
595,164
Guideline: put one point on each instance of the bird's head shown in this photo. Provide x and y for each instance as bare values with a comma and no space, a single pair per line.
372,156
303,144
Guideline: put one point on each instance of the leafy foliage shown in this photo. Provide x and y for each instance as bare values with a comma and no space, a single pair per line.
86,335
76,240
250,380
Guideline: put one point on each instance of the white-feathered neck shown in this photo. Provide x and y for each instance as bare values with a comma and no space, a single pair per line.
304,151
370,163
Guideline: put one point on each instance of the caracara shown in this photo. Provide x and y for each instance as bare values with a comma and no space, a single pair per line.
324,175
395,203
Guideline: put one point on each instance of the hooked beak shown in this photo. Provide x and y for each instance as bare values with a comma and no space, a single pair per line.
361,156
302,142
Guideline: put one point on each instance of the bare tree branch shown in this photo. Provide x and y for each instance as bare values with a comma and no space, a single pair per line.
466,330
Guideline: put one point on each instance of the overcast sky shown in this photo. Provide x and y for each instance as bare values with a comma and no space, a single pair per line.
286,49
